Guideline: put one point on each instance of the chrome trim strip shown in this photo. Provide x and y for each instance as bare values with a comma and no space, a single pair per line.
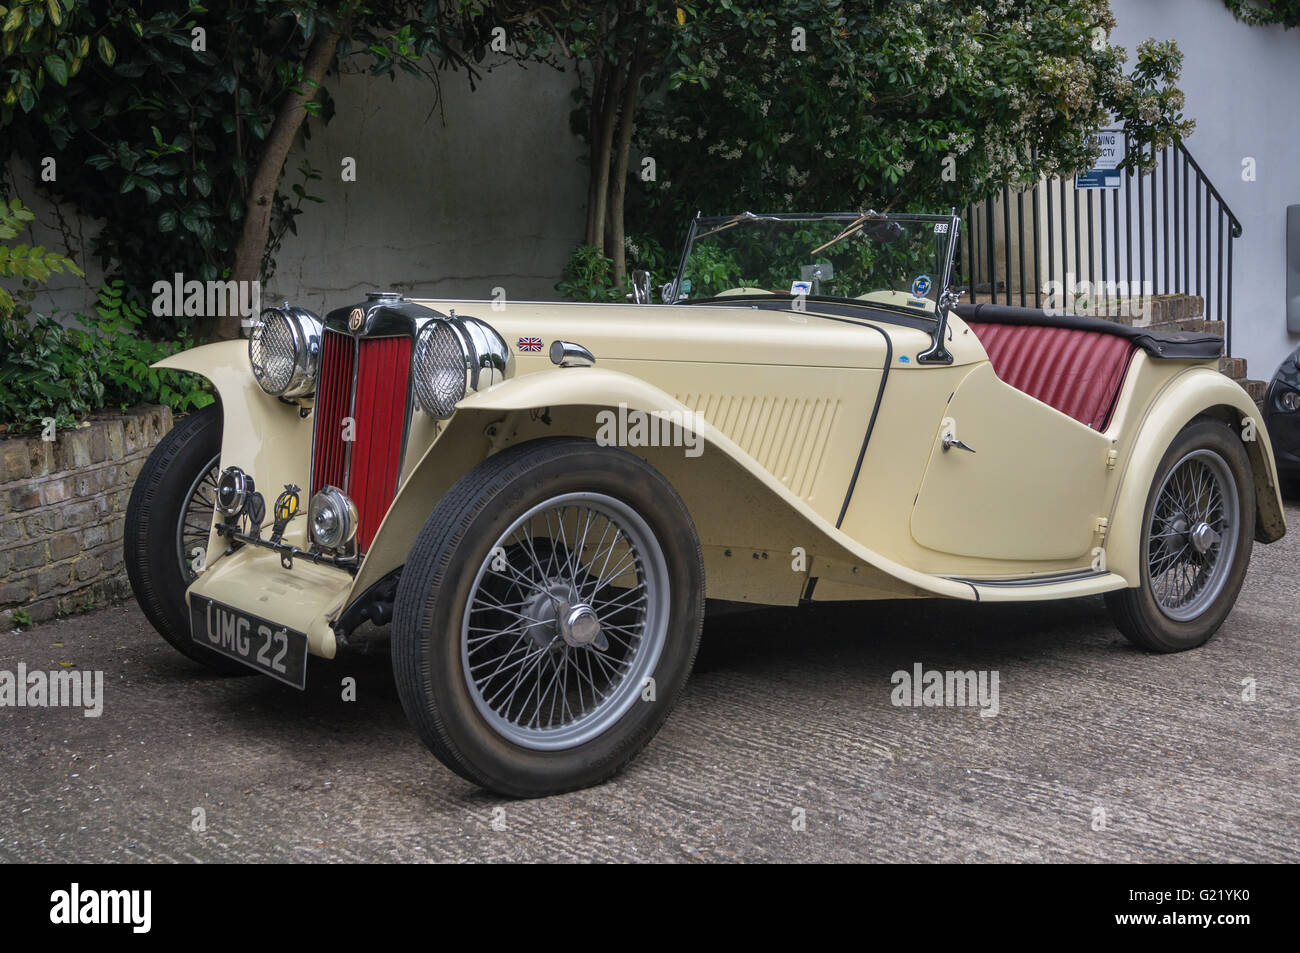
352,415
1071,575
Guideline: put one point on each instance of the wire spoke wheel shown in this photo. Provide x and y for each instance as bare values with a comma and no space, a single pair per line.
1192,535
195,522
565,619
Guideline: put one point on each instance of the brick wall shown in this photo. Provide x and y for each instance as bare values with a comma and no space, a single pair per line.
62,507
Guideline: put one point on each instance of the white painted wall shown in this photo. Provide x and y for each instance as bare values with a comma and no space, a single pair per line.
1242,84
493,198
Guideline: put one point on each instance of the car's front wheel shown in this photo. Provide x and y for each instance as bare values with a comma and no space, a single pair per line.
1197,533
548,616
168,519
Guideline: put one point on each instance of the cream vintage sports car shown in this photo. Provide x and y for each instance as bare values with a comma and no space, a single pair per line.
540,497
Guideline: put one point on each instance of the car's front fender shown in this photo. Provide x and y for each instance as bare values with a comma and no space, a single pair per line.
1194,392
261,435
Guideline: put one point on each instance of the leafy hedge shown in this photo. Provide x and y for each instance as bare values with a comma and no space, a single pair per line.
1266,12
48,370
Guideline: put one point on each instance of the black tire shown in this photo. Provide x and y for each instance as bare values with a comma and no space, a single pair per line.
439,579
157,575
1137,612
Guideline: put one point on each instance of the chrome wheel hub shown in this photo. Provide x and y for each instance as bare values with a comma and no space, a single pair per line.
1202,537
542,611
555,616
580,626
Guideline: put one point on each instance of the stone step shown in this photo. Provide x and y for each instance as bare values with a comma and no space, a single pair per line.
1167,308
1149,312
1234,367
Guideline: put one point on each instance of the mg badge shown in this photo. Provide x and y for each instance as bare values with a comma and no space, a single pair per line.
356,319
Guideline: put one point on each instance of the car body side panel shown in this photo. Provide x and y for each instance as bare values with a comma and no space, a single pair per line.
803,425
738,505
907,431
1033,488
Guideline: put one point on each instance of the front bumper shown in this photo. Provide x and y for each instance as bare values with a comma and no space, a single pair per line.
307,598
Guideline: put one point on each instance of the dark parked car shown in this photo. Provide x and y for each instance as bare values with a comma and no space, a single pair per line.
1282,416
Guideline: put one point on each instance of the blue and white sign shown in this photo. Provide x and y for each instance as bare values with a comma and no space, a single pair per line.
921,286
1105,174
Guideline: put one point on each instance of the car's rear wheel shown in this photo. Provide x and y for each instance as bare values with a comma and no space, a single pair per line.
548,616
168,519
1197,533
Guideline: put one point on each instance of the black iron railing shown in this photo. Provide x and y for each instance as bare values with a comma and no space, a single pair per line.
1166,232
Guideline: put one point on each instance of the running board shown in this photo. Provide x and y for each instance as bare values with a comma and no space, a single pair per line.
1064,585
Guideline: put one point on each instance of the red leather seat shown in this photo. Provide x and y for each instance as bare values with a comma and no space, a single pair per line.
1078,372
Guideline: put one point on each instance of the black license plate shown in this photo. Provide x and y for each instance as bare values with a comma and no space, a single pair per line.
269,648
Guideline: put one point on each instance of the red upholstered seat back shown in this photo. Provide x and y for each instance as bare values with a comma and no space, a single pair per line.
1077,372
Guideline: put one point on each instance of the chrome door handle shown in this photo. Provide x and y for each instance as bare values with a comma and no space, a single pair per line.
950,441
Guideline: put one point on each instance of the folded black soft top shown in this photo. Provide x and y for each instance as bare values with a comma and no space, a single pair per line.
1171,345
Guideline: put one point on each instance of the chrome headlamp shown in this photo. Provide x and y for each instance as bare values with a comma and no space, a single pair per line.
284,351
332,518
455,356
233,488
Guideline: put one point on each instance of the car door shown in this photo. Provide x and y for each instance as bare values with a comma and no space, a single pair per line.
1032,485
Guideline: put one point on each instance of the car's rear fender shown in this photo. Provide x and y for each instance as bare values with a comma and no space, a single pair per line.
1197,391
748,521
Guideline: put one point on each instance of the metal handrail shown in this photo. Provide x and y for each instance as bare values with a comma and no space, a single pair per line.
1121,246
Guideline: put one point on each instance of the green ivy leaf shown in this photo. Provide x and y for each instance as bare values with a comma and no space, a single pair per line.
106,51
57,69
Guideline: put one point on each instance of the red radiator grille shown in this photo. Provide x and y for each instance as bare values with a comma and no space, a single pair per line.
369,474
333,400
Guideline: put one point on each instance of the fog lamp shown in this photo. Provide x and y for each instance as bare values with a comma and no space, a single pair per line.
332,517
233,487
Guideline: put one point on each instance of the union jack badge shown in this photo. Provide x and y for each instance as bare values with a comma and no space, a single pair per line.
530,344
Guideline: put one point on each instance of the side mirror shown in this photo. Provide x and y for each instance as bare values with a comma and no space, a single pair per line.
641,286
